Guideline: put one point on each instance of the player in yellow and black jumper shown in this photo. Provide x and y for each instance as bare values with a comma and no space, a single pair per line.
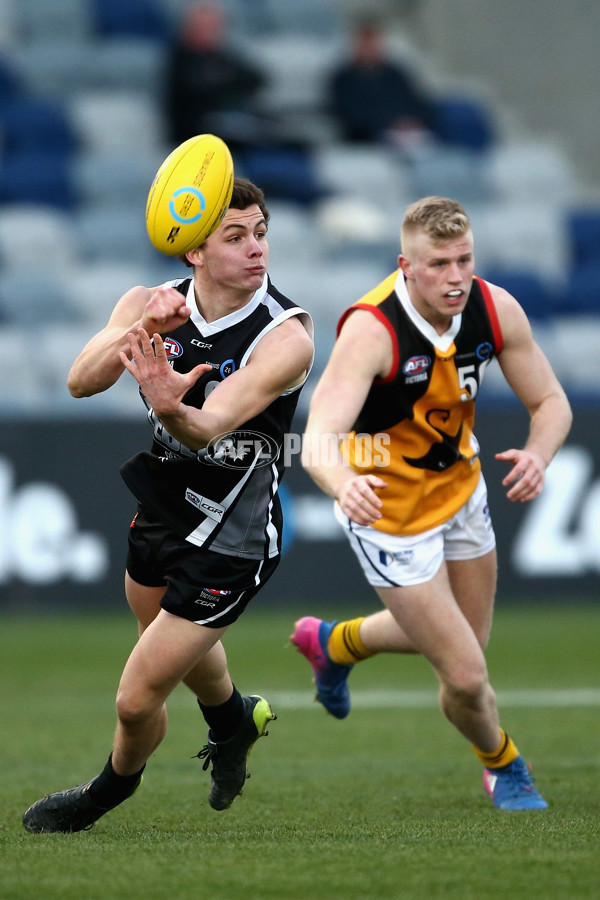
400,390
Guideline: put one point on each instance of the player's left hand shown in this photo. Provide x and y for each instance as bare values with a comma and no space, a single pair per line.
526,478
162,386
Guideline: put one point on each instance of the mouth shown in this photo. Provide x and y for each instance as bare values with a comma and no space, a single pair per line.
454,297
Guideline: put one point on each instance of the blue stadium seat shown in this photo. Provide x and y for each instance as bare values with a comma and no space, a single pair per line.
583,232
287,173
462,122
10,84
32,123
132,18
534,294
35,176
582,291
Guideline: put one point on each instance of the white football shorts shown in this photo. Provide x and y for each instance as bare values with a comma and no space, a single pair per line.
389,560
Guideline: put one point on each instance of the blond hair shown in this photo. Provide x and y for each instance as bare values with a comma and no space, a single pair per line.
439,218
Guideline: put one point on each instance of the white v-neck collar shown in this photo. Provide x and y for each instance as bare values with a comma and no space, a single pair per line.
441,341
207,328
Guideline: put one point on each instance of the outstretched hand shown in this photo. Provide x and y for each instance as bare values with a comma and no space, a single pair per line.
526,478
162,386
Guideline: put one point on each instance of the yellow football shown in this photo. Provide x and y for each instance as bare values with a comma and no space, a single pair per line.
189,195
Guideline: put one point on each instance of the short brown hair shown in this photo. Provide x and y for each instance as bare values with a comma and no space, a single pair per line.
440,218
245,193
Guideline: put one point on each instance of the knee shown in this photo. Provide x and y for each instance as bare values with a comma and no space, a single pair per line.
133,707
466,687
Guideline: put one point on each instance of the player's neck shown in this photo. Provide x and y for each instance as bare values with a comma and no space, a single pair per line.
219,302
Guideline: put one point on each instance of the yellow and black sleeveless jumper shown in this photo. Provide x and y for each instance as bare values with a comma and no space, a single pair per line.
416,426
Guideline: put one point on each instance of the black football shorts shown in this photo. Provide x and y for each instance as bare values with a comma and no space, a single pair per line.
208,588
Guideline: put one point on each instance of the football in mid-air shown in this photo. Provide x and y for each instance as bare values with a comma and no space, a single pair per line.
189,195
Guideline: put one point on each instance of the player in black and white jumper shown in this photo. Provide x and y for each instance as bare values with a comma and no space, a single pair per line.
220,359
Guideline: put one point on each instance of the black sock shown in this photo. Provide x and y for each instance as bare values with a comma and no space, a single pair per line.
109,789
225,719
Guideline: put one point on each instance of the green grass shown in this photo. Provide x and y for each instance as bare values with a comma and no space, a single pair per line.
386,804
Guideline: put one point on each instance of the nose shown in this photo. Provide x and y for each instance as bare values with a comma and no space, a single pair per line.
454,273
255,247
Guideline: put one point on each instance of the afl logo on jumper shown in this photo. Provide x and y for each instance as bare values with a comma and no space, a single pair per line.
416,368
172,347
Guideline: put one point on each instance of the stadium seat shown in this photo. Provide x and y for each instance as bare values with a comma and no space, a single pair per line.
95,288
534,294
355,227
31,123
67,19
114,177
132,18
36,234
319,18
576,359
581,294
34,176
297,68
526,170
118,120
362,170
286,173
33,297
11,85
113,233
464,122
293,239
63,68
520,235
451,172
583,234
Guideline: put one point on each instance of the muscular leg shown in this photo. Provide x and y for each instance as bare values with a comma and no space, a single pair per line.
473,584
164,655
380,633
209,679
436,625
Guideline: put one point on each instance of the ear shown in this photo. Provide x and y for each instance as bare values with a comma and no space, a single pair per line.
404,264
194,256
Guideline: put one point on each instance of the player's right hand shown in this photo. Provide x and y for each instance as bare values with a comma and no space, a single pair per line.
165,311
358,500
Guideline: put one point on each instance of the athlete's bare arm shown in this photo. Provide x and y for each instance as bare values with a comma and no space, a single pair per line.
530,376
98,366
362,352
280,361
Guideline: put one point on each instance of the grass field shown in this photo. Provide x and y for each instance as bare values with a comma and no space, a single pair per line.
386,804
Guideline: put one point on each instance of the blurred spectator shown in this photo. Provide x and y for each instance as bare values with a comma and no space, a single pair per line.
210,86
374,99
